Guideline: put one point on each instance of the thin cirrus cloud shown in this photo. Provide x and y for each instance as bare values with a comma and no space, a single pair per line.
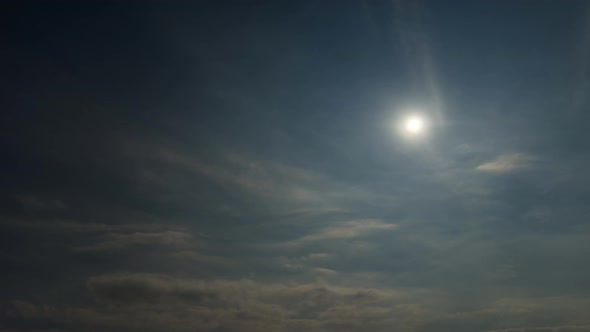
506,163
289,187
253,175
344,230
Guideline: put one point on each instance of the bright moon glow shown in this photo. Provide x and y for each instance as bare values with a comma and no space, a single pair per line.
414,125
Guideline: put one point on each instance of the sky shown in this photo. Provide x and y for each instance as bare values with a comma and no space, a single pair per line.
243,166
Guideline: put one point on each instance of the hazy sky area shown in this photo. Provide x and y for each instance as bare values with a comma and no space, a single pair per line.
246,166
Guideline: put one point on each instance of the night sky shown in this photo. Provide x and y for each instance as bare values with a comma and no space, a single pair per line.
247,166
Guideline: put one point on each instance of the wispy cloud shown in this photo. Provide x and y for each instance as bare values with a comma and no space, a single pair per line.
344,230
116,242
290,188
506,163
124,302
263,178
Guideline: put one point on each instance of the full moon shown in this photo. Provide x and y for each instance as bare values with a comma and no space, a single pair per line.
414,125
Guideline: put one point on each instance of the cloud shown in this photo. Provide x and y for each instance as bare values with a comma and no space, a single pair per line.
260,177
45,225
325,272
151,302
580,328
192,257
526,313
146,288
34,202
344,230
506,163
316,256
245,305
116,242
258,181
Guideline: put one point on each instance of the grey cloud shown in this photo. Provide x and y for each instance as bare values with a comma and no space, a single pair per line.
584,328
192,257
130,302
63,225
115,241
515,314
36,202
317,306
146,288
316,256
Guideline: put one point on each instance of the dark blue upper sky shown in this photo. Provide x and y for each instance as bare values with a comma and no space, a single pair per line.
243,166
